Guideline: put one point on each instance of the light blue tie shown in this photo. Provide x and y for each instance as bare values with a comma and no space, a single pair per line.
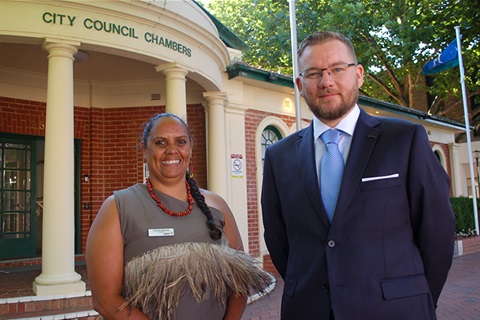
331,171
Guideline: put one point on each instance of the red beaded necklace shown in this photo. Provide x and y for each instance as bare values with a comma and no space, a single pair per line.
162,206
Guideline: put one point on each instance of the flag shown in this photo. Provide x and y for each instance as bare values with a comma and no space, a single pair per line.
447,59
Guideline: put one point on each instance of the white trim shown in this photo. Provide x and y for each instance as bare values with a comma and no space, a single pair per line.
87,293
443,157
284,131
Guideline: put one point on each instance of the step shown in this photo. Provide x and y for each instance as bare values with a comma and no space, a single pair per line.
71,306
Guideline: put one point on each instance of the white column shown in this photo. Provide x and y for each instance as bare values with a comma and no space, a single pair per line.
58,252
175,87
459,185
217,157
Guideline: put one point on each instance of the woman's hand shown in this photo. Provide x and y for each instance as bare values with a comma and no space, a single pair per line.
104,256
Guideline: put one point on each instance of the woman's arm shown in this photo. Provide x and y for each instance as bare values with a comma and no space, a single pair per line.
104,256
235,304
231,229
235,307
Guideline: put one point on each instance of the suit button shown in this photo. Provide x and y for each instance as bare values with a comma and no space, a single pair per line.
331,243
325,287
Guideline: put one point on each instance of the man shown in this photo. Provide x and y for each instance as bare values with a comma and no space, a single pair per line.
387,250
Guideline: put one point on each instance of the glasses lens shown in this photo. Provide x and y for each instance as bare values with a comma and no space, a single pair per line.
335,71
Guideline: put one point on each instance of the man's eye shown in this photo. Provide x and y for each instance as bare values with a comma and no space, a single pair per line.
313,75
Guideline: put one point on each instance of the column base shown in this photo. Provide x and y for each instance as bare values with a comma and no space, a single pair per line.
59,289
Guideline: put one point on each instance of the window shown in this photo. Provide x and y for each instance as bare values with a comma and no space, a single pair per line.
15,190
270,135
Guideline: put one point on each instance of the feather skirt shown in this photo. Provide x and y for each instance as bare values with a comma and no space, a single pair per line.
155,281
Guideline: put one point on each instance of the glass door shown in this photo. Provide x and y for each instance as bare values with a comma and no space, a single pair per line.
17,198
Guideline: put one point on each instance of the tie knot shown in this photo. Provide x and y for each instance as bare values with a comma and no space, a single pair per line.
330,136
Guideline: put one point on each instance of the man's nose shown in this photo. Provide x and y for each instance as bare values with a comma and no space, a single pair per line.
326,79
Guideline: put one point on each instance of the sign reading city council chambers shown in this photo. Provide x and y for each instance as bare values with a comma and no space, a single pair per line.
122,30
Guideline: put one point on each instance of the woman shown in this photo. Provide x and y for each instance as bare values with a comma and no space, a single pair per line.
167,249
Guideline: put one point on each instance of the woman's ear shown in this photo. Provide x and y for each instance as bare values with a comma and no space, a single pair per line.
141,147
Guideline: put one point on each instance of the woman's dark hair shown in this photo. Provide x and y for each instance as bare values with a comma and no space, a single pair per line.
155,118
215,230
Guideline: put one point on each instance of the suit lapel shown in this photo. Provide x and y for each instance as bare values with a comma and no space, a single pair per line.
306,161
363,142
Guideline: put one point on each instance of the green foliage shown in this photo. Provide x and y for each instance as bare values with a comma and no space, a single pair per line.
463,209
393,40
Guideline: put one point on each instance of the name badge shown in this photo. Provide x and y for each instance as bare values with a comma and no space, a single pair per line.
167,232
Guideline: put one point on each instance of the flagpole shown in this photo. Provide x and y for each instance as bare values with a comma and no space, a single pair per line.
293,34
467,126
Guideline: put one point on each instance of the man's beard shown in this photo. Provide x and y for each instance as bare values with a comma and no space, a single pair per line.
347,103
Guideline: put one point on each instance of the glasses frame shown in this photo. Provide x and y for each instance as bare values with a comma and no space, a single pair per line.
328,69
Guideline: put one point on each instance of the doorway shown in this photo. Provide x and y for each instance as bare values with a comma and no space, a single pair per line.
21,196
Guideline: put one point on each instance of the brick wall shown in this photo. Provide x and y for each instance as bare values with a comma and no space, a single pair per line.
111,158
22,116
467,246
109,146
252,120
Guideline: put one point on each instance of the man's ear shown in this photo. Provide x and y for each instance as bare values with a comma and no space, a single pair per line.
299,84
360,73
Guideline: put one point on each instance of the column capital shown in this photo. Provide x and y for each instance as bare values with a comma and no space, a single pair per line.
236,109
174,73
173,67
455,146
60,47
215,97
49,40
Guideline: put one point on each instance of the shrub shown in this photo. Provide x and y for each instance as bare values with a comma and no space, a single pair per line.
463,209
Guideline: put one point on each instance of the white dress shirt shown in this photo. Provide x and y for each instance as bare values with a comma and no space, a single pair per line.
347,126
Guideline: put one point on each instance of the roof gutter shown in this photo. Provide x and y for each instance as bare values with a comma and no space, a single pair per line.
240,69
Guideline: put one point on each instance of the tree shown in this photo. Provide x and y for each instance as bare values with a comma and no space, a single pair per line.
393,40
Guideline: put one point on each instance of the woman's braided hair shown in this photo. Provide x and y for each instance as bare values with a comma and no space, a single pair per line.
215,230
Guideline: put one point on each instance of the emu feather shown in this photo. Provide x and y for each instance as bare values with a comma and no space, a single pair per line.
155,281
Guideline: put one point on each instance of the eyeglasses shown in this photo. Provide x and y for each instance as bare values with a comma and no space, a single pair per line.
336,71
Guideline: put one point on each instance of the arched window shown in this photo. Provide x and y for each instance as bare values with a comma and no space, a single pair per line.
270,135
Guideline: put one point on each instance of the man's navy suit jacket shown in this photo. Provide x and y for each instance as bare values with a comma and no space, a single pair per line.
387,253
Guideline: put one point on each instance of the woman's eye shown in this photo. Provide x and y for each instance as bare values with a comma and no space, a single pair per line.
159,143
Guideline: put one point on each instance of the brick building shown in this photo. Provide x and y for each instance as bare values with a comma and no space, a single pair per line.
78,79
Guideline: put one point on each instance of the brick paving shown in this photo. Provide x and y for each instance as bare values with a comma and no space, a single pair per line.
460,299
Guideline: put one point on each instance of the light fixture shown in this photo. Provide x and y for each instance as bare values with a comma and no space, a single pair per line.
81,56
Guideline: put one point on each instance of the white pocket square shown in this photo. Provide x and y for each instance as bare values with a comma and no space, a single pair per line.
391,176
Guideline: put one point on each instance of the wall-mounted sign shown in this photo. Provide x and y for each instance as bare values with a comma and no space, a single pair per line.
115,28
237,165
